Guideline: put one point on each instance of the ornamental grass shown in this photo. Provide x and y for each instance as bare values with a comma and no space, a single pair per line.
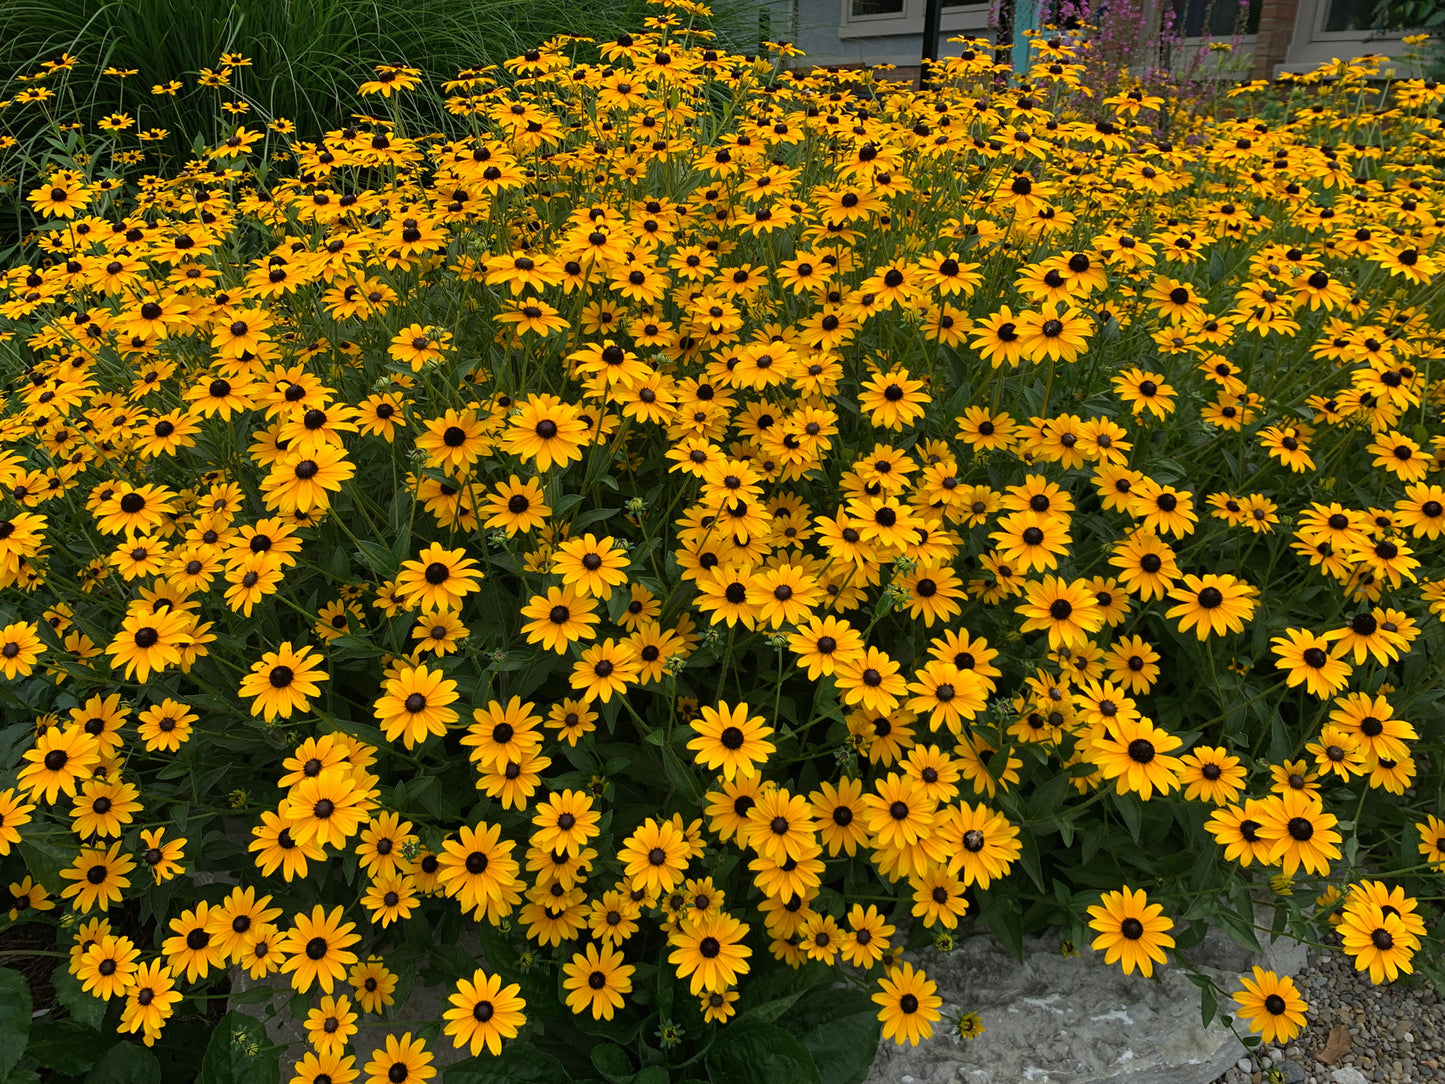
652,556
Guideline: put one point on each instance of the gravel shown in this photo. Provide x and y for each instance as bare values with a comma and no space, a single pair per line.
1396,1032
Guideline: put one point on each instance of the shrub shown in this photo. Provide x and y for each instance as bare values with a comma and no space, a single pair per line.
649,555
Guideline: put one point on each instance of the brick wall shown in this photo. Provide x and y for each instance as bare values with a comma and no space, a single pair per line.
1276,28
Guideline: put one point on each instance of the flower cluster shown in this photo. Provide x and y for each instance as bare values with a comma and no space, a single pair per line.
695,522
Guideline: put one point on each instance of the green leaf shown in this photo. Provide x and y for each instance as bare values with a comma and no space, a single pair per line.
64,1045
1208,1004
519,1063
239,1053
1239,931
776,991
760,1054
1004,918
126,1063
612,1062
1129,810
84,1008
844,1045
375,557
14,1019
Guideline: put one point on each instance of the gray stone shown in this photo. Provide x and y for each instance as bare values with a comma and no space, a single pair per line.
1293,1072
1057,1020
1349,1076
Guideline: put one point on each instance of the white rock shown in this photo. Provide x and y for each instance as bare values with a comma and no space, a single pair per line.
1349,1075
1057,1020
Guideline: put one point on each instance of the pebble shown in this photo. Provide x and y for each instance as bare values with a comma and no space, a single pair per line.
1397,1032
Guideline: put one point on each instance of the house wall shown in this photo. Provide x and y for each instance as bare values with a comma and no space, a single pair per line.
1290,37
828,34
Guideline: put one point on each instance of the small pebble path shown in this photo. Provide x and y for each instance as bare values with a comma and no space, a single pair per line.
1396,1032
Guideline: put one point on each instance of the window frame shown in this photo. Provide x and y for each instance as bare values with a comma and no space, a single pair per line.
970,18
1319,33
1201,39
1312,45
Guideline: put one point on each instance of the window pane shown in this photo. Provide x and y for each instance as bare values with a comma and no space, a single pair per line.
877,7
1218,18
1350,15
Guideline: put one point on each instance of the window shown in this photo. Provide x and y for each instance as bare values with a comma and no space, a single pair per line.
885,18
1347,15
1218,18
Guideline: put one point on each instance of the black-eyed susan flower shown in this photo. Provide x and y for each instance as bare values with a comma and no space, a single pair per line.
546,431
104,807
869,936
591,566
1432,841
1212,604
909,1004
565,822
893,399
150,1000
1271,1005
1145,391
20,648
730,740
192,949
654,856
1132,931
1300,832
516,507
503,732
605,669
439,579
1068,612
165,726
372,984
107,968
402,1057
1211,774
414,705
559,618
484,1012
162,856
60,758
331,1024
1137,754
718,1006
597,981
318,1067
1337,752
325,810
15,813
318,949
277,849
987,845
709,953
1311,661
98,877
26,896
1379,942
283,681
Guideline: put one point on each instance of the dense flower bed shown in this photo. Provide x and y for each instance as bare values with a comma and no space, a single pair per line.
661,549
